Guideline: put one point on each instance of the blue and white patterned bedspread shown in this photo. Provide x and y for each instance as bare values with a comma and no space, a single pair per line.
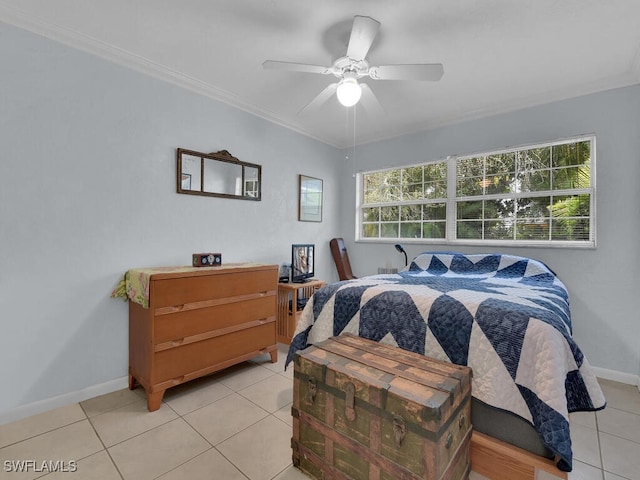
506,317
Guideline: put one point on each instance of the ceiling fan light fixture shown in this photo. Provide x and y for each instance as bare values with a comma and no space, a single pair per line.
349,91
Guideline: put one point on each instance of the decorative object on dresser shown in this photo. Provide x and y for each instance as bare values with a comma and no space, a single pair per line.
217,174
292,298
363,410
186,322
206,259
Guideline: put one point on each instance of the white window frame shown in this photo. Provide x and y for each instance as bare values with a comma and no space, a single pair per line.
451,202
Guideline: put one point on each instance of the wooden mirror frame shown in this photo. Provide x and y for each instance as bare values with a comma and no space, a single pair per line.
227,159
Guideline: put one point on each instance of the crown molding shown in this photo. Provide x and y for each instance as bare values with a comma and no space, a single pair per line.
140,64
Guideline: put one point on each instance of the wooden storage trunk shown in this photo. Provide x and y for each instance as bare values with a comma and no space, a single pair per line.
367,411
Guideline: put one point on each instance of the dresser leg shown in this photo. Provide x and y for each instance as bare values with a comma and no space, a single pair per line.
274,356
132,382
154,399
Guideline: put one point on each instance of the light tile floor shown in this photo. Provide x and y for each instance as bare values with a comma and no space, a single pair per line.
236,425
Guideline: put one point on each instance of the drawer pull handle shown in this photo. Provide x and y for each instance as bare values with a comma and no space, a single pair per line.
350,402
399,429
262,320
461,421
449,441
175,343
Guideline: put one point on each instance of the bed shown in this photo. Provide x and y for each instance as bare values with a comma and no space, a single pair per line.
505,316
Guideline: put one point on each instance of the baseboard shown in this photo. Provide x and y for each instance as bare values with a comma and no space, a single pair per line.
47,404
615,376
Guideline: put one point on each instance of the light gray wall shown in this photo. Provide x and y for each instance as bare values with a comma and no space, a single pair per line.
87,191
604,283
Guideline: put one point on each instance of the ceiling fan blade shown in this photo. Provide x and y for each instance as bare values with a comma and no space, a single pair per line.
370,101
430,71
295,67
320,99
363,32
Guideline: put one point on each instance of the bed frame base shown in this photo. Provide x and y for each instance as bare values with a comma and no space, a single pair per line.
498,460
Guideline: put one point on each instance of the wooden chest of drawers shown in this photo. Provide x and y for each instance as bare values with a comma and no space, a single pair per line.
366,411
201,321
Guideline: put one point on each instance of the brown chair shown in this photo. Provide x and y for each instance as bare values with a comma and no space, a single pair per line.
341,257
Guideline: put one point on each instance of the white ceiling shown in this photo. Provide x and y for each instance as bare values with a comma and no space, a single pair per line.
498,55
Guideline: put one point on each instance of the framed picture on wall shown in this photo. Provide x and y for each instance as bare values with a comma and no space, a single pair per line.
310,199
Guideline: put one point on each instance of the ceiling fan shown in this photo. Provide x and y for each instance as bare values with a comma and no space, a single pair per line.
354,66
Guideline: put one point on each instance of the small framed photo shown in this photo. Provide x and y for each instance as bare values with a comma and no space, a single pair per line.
310,199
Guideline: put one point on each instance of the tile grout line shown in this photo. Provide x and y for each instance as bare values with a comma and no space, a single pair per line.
213,447
599,446
102,442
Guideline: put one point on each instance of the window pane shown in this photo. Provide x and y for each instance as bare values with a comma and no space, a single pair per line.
469,186
371,214
435,190
570,154
389,213
435,211
434,230
470,167
470,210
536,207
390,194
501,208
534,159
575,229
534,229
370,230
410,230
412,175
504,163
372,196
495,184
534,180
372,180
498,230
412,191
435,171
469,229
411,212
389,230
571,206
572,177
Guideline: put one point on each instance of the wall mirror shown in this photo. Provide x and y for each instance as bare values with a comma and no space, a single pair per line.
218,174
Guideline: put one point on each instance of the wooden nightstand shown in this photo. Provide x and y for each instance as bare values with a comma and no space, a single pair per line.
292,297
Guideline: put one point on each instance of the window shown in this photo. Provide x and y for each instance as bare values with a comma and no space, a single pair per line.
535,195
405,203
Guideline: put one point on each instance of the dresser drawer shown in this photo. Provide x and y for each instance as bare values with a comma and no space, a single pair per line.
177,362
180,291
175,326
